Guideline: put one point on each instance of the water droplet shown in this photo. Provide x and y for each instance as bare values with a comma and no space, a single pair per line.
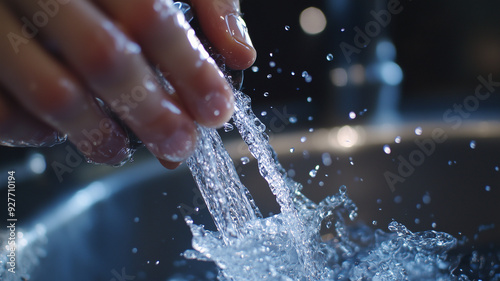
342,29
255,68
343,189
487,188
379,201
266,94
134,250
352,115
263,113
316,168
287,27
310,118
304,74
303,139
164,194
321,183
136,219
434,225
426,198
311,130
292,119
244,160
292,73
228,127
269,76
313,173
374,222
419,206
397,139
157,262
418,131
417,220
271,55
350,161
497,168
387,149
328,224
309,99
272,64
472,144
291,173
398,199
292,149
329,57
450,162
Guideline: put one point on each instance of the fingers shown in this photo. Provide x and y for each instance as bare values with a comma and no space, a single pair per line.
18,128
48,91
169,42
221,22
112,64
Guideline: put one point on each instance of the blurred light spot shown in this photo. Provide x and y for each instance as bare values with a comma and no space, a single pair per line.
347,136
426,199
391,73
326,159
352,115
387,149
37,163
472,144
312,20
385,51
418,131
338,76
357,74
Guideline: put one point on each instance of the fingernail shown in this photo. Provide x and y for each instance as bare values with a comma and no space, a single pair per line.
215,108
238,29
177,146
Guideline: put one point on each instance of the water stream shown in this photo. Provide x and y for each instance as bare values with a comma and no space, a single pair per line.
289,245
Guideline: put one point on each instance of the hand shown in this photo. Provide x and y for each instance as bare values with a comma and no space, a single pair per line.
57,56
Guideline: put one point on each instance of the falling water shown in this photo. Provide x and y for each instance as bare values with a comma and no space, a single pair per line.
290,245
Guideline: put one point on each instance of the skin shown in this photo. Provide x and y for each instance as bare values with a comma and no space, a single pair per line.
57,56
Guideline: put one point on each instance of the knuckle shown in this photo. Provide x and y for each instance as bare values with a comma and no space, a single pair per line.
105,51
56,99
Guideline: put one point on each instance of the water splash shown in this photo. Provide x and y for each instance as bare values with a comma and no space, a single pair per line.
306,241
